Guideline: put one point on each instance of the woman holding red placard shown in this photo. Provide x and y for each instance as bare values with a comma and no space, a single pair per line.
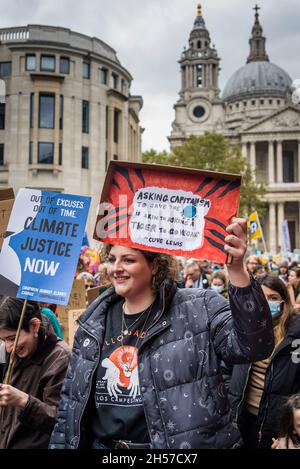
146,365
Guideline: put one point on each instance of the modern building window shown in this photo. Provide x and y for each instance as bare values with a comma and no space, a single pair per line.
30,153
104,76
45,153
30,62
46,111
116,125
1,154
2,116
61,111
47,63
85,117
60,154
86,70
64,65
106,122
288,166
5,69
32,110
85,158
115,81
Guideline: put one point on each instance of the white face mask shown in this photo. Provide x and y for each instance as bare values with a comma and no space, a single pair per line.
218,288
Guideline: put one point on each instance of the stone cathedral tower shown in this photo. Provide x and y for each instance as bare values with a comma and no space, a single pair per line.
199,107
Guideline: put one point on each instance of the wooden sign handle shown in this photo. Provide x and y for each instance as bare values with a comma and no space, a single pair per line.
12,355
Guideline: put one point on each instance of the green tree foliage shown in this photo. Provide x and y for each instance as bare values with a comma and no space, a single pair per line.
152,156
213,152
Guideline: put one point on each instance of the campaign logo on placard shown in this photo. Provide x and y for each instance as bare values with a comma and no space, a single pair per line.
253,226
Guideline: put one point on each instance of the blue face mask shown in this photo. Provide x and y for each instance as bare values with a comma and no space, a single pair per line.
218,288
275,308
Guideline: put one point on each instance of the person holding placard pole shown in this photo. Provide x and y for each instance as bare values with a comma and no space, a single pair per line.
145,371
38,362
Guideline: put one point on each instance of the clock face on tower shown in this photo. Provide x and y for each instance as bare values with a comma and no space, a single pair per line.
199,111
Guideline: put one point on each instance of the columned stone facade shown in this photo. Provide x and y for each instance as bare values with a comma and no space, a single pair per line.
256,111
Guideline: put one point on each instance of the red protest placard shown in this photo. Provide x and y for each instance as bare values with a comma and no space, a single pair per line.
178,211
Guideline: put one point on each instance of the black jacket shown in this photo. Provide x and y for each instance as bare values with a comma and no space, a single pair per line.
282,379
181,384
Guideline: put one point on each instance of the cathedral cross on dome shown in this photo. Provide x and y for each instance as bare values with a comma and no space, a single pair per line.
256,8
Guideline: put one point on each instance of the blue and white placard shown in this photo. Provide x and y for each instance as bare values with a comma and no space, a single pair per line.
40,253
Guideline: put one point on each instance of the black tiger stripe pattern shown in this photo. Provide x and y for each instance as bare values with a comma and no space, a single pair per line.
204,183
113,231
217,186
139,174
114,220
215,243
216,222
115,183
233,185
218,235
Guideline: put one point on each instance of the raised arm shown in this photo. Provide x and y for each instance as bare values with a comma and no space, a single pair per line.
244,332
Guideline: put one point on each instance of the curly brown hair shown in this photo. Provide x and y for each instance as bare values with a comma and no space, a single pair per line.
167,266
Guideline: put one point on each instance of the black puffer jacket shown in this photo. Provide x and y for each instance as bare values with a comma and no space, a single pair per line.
282,379
184,396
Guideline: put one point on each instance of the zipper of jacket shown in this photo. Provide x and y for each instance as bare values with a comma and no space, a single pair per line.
91,381
158,402
243,395
271,366
267,405
163,309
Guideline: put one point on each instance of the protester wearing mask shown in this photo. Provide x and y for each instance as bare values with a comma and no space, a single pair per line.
219,283
257,391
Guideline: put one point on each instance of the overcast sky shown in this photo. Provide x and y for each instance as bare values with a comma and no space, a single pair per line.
149,36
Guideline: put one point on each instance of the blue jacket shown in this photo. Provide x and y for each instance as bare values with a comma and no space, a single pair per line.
183,392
